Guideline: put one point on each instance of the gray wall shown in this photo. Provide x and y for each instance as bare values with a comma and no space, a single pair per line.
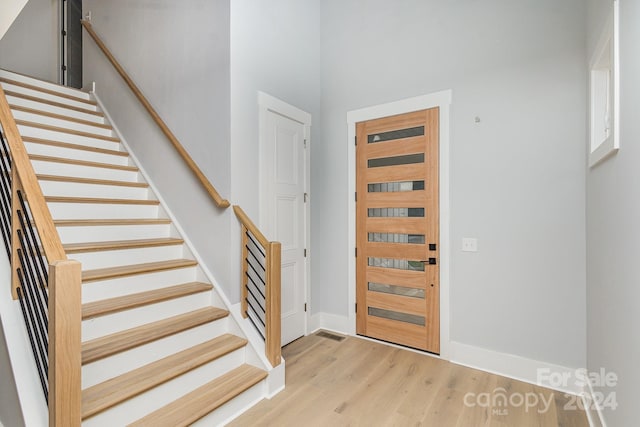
517,178
275,48
613,231
31,44
178,54
10,413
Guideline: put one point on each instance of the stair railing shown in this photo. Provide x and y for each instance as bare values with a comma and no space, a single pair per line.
260,284
46,284
219,201
267,323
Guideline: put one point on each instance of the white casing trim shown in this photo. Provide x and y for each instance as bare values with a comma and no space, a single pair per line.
512,366
258,359
442,100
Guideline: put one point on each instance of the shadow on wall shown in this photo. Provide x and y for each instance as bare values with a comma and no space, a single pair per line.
10,413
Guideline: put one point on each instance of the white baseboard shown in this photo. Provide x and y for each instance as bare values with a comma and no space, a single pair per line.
593,410
330,322
517,367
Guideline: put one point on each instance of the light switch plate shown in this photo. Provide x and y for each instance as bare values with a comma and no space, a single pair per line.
469,244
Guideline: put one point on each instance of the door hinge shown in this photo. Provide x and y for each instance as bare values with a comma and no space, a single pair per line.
305,307
305,143
305,252
356,251
356,139
64,68
64,33
356,307
355,196
306,196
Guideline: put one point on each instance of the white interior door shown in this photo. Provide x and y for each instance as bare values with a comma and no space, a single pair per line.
285,213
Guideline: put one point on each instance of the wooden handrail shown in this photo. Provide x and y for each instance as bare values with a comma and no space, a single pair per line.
246,221
23,169
219,201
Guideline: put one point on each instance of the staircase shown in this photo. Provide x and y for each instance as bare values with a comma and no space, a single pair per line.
158,344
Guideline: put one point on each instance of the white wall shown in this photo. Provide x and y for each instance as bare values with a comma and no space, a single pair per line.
9,10
613,231
275,48
178,54
517,178
30,46
10,414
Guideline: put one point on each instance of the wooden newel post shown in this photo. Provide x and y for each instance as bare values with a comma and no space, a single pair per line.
65,364
273,298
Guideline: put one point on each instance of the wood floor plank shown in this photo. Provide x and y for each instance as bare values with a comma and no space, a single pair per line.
108,222
53,103
64,160
102,347
59,116
114,245
49,91
67,130
65,199
200,402
126,302
130,270
78,180
72,146
102,396
359,382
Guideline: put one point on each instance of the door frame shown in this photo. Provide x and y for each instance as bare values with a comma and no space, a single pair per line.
442,100
268,103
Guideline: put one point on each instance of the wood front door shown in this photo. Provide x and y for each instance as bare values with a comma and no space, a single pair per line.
397,227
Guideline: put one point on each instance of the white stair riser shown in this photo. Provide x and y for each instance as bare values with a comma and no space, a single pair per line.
101,211
141,405
41,106
110,288
48,97
67,137
116,322
234,407
70,153
80,171
75,189
105,233
110,367
66,124
107,259
45,85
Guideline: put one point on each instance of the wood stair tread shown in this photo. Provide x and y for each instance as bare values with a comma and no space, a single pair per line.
103,222
53,103
125,302
116,390
130,270
72,146
67,199
109,345
114,245
48,91
52,159
78,180
203,400
66,130
58,116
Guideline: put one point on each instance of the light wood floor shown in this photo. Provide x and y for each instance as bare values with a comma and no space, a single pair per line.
357,382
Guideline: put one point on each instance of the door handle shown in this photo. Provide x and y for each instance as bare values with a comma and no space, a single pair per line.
431,261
